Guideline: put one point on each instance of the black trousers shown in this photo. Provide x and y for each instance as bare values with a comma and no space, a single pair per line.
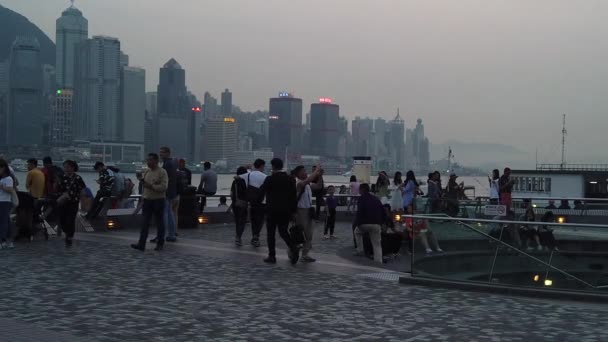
274,221
98,203
257,219
330,223
152,208
240,220
67,219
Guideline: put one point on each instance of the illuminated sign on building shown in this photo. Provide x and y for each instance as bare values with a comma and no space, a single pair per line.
325,100
196,109
273,117
284,94
229,120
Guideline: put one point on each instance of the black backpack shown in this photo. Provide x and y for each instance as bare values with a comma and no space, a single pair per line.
255,196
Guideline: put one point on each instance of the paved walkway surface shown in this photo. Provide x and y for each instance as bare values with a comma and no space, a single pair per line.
198,290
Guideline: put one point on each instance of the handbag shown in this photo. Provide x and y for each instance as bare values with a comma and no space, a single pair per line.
296,233
238,203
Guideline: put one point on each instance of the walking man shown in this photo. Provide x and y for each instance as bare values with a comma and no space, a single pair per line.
154,182
255,196
281,201
369,219
172,197
305,212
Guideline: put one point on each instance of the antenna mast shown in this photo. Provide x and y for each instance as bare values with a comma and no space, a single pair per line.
564,133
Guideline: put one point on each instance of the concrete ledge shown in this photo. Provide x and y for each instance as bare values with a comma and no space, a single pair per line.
505,290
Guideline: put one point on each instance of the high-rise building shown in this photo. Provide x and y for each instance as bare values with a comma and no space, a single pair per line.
60,131
151,102
3,100
133,104
227,103
71,29
124,59
380,128
285,125
417,148
324,118
362,129
209,106
97,90
220,138
397,142
173,121
25,113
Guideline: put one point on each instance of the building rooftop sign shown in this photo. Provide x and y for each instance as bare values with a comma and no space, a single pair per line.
285,94
325,100
229,120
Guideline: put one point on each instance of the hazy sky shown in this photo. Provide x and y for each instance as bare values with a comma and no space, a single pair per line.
473,70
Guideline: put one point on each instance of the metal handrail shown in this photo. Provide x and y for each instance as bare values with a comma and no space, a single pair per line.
500,242
536,223
582,199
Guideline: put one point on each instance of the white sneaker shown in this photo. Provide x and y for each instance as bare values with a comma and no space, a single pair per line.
10,245
325,237
3,245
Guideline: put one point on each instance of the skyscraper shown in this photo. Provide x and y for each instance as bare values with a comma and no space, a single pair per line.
173,122
71,29
220,138
25,99
324,118
210,106
60,130
417,148
397,142
362,136
3,100
227,103
133,104
285,125
97,90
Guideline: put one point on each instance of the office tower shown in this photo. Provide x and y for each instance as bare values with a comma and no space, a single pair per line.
397,142
227,103
380,128
209,106
173,124
3,100
220,138
285,125
60,130
25,113
324,117
362,136
124,59
133,104
151,102
417,148
71,29
97,90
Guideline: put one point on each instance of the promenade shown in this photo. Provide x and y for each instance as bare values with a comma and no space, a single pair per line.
202,288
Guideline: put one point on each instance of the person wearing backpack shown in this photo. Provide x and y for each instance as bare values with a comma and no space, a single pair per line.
255,196
238,197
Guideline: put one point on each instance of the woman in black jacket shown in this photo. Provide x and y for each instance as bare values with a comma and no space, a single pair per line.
238,195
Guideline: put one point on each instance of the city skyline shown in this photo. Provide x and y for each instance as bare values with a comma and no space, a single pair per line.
489,89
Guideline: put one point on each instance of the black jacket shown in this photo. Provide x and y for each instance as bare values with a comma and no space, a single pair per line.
281,194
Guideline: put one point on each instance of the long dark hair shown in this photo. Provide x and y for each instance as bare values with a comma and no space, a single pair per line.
353,178
6,171
495,174
397,179
409,176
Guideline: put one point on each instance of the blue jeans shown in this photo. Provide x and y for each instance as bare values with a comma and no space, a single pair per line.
169,220
152,208
5,220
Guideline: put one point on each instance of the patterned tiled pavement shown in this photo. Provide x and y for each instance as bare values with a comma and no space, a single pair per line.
103,291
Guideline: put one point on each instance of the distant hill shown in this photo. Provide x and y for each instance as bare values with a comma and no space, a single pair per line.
484,155
13,24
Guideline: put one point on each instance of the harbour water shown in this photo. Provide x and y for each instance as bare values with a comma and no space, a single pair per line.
225,180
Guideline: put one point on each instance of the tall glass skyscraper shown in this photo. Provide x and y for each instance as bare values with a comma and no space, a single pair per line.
71,29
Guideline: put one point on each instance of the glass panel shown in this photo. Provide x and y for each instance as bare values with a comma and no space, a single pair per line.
519,254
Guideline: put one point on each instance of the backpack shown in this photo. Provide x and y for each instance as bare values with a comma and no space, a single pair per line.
254,195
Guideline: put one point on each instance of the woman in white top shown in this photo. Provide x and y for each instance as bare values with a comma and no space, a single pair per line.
494,186
354,191
6,204
396,190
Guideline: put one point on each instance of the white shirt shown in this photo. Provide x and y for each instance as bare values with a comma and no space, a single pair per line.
256,178
5,196
305,200
494,189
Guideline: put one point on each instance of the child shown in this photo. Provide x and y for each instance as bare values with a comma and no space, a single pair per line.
331,203
223,202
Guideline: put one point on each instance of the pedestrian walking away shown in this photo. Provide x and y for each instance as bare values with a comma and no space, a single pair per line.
254,181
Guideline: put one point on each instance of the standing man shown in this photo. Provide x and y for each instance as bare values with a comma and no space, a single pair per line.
154,182
208,184
34,182
172,197
281,201
369,219
186,173
255,196
506,186
305,212
106,184
52,175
